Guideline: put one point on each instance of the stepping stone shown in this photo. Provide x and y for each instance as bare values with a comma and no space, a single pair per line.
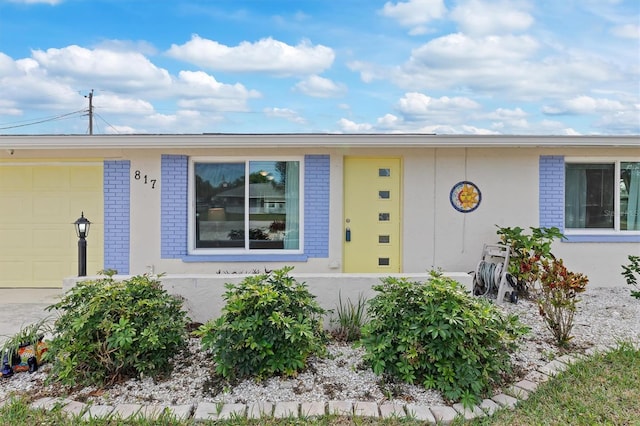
259,409
468,414
152,412
47,403
365,409
97,411
230,411
505,400
285,409
420,413
443,414
312,409
74,407
489,406
340,408
207,411
388,411
553,368
181,412
527,385
517,392
536,377
124,411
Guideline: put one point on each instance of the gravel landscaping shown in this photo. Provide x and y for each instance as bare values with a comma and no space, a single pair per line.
605,316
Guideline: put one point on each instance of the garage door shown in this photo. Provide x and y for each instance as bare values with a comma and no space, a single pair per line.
38,204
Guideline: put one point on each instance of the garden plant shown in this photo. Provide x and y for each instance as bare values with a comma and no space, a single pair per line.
436,334
269,325
631,273
111,330
528,251
557,299
350,318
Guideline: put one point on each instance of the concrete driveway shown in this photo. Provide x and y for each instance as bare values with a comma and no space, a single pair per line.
20,307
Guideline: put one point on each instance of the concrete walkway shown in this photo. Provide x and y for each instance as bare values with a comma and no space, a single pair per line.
20,307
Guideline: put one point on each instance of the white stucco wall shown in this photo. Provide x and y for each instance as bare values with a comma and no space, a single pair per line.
434,234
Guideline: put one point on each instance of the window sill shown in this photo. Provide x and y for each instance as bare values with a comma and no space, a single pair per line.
602,238
254,257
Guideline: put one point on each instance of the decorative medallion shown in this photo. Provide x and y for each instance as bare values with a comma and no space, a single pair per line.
465,196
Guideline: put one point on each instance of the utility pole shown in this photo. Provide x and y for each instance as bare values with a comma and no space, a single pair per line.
90,96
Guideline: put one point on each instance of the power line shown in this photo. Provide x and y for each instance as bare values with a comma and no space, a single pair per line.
44,120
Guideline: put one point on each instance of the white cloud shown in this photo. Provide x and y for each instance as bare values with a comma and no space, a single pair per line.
320,87
627,31
266,55
415,13
200,84
349,126
506,114
110,103
420,106
118,69
495,17
583,105
286,113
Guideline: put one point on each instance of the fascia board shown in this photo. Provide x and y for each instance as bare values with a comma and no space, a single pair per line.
177,141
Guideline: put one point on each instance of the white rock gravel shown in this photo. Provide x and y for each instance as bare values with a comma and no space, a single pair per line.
604,317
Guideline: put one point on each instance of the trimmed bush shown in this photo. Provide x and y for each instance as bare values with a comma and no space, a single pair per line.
112,330
269,325
436,334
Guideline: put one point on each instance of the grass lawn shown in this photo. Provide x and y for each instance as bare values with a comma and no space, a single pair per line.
603,389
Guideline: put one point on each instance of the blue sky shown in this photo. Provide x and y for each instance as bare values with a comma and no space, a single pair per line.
320,66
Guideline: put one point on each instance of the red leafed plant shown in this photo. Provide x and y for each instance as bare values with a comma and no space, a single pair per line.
557,298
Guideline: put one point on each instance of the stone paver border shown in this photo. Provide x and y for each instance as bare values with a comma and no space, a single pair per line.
218,411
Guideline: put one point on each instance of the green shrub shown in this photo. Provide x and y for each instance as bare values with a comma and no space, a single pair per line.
269,325
110,330
631,273
528,252
436,334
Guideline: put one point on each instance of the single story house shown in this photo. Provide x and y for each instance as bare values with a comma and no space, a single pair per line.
326,204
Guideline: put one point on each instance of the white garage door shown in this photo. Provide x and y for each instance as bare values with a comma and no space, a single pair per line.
38,204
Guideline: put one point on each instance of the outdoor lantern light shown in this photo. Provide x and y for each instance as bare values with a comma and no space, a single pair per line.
82,231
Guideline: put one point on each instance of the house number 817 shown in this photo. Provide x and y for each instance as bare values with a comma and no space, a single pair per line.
137,176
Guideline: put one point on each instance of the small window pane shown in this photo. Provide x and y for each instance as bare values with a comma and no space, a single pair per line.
384,195
589,196
384,172
384,217
220,205
383,239
383,261
630,196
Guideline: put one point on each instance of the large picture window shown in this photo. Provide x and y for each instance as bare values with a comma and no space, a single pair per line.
602,196
246,205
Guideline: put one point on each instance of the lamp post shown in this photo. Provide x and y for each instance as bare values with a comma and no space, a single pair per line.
82,231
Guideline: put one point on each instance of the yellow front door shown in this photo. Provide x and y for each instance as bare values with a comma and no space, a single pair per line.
371,229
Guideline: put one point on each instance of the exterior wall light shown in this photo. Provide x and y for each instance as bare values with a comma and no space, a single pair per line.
82,231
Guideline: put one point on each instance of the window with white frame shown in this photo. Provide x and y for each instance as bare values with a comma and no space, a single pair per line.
602,195
246,205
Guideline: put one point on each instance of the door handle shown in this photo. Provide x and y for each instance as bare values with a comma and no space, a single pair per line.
347,234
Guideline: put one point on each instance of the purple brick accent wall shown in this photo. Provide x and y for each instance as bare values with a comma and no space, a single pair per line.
174,206
116,215
316,205
551,191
